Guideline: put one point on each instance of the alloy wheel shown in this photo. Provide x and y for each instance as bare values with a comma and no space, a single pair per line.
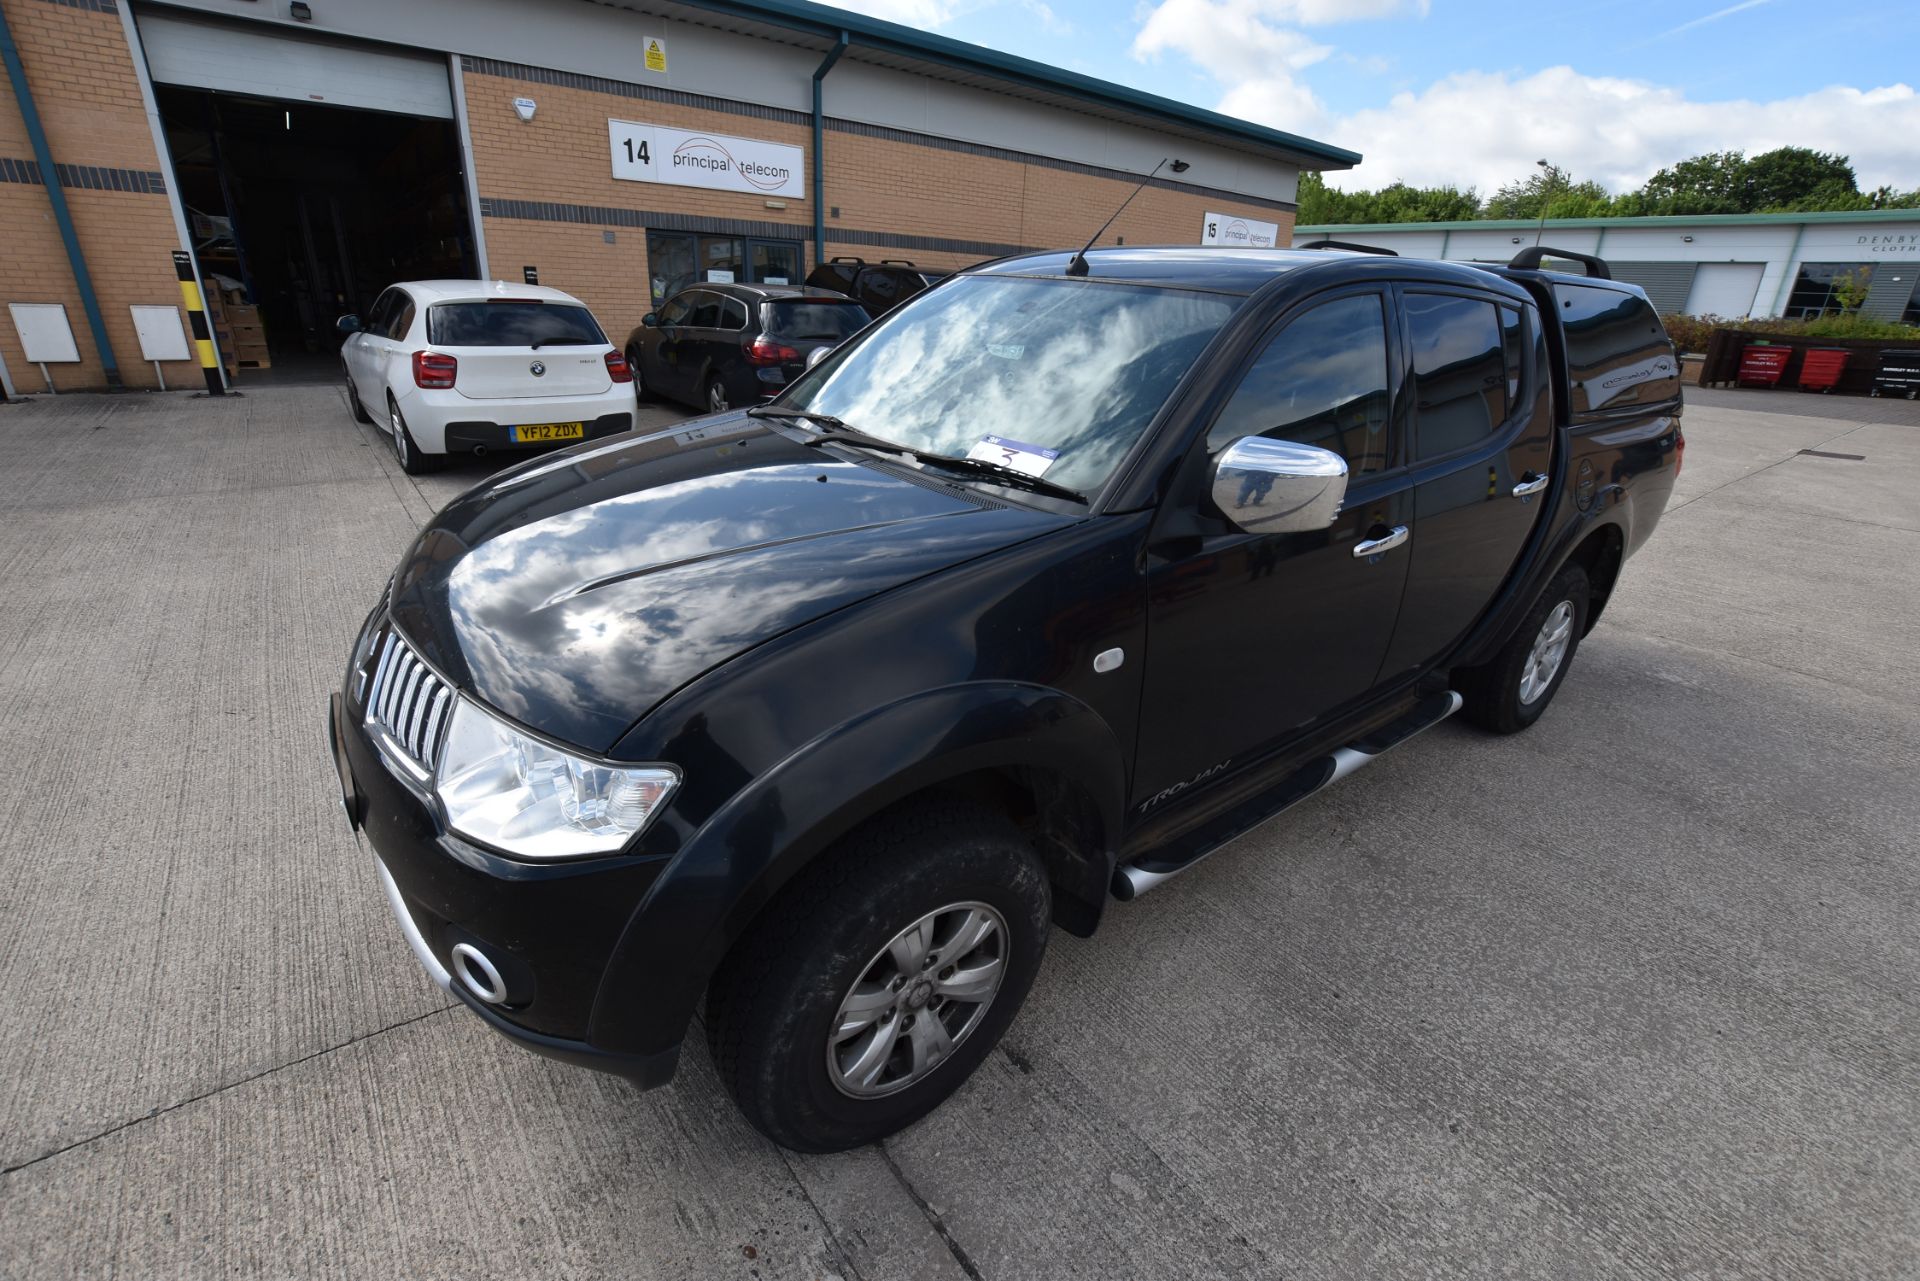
917,1000
399,431
1548,652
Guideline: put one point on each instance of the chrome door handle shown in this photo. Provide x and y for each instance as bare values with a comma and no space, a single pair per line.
1532,485
1385,543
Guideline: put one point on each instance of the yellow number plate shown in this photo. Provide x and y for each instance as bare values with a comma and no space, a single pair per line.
539,433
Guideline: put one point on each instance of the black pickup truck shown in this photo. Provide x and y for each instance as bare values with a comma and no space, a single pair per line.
1032,594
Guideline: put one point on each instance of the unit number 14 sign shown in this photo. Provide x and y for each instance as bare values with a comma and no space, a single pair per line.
683,158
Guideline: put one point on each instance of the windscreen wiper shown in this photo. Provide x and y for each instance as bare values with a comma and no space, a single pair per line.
805,415
833,430
1005,475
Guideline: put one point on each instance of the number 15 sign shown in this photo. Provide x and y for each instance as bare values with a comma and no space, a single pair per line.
685,158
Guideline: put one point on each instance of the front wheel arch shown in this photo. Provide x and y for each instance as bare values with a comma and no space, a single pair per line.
1036,750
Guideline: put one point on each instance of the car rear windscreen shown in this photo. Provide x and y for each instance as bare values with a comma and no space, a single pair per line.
512,324
813,319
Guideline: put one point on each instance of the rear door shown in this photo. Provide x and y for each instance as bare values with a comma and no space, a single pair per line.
521,348
1482,450
659,370
1255,638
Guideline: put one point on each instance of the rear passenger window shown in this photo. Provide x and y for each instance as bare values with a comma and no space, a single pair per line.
402,320
1320,381
706,312
1617,353
733,314
1459,371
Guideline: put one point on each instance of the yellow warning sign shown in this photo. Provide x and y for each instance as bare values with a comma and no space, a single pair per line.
656,56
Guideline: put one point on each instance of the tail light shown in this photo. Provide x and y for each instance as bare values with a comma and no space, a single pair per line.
434,371
764,351
618,369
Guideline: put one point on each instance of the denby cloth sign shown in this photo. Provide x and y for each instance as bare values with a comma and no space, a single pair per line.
1245,233
683,158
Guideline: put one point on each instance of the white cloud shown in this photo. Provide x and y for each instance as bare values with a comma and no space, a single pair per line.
1484,129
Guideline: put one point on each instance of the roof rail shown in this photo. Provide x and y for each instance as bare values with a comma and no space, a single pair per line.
1528,259
1344,244
896,262
848,258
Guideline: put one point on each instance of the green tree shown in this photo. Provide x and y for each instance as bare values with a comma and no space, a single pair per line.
1789,177
1322,205
1714,183
1553,187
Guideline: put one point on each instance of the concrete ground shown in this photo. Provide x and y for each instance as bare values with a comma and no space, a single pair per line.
1631,995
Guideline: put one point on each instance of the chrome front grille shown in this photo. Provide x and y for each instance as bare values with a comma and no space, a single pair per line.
408,701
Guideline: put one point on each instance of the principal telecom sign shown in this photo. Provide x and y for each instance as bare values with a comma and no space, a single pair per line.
687,158
1246,233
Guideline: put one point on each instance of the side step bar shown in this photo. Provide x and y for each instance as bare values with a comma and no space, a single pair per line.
1131,880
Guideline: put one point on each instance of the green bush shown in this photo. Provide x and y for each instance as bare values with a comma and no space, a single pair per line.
1690,333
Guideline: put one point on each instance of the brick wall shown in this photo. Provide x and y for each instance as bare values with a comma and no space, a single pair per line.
84,84
885,186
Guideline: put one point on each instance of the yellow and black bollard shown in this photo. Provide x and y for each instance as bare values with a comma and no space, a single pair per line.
197,322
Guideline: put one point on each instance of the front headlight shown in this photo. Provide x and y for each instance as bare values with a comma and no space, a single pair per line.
529,798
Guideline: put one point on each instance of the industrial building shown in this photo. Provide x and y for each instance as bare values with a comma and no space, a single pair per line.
308,153
1730,265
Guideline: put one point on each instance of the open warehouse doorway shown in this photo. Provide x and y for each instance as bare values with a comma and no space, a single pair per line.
314,173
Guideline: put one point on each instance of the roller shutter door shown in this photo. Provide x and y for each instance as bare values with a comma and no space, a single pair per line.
263,63
1667,283
1725,289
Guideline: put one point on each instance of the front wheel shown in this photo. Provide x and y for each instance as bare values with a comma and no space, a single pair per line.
881,978
1510,691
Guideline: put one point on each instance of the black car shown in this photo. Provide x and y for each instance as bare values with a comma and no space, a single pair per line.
879,287
719,345
1023,600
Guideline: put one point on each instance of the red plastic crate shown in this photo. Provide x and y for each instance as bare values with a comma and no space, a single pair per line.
1820,369
1762,366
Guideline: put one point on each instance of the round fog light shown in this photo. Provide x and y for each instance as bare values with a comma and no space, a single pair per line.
480,975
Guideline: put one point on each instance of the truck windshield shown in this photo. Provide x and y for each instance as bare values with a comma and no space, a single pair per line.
512,324
1054,377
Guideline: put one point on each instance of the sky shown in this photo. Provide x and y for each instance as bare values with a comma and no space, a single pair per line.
1470,93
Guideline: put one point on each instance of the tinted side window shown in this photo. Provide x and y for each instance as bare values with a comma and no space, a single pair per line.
376,321
1459,371
1617,353
733,314
706,311
402,319
1320,381
675,312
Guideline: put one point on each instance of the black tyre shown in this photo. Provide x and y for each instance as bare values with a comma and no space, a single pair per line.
405,449
716,395
1509,692
641,392
872,986
360,414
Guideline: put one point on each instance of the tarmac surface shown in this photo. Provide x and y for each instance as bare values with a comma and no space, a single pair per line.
1630,995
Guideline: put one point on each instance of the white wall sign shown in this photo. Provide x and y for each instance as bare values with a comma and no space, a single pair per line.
160,334
684,158
1245,233
45,336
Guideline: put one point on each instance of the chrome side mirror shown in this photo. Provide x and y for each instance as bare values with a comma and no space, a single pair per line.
347,324
1278,487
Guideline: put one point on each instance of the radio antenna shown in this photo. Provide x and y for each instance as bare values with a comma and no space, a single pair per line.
1077,265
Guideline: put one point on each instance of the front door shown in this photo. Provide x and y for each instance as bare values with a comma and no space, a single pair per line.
1482,452
1253,638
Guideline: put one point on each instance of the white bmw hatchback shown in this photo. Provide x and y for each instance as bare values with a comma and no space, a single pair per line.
473,366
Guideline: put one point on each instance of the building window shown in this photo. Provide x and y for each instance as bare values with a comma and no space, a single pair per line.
1911,316
1813,288
676,259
